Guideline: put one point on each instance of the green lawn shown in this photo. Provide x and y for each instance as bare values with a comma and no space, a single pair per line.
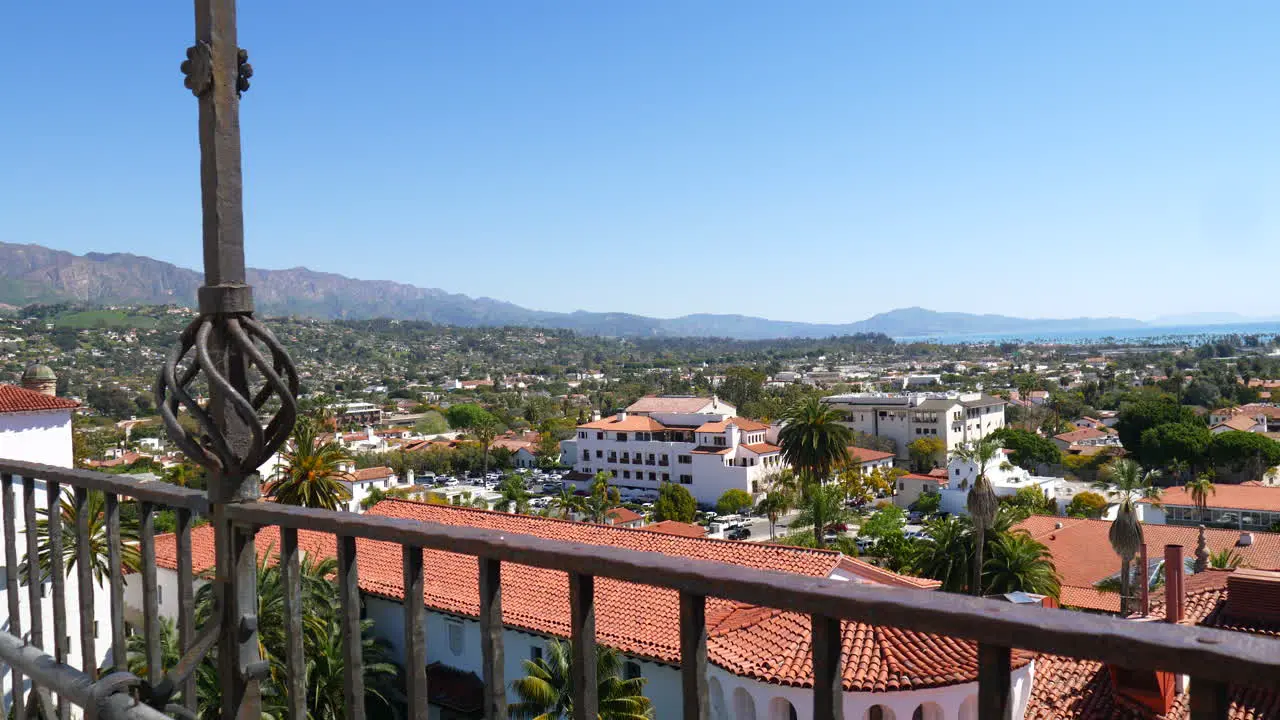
84,319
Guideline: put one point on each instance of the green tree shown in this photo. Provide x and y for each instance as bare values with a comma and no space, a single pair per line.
741,386
1145,409
431,423
548,450
312,472
1175,443
821,507
946,552
1246,452
675,503
602,498
886,521
514,497
1127,482
546,690
1200,489
566,503
981,502
1226,559
1087,505
925,452
465,416
928,504
1030,501
773,505
484,432
1018,562
733,502
813,439
1027,449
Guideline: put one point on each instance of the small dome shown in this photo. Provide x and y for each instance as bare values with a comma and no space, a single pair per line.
37,371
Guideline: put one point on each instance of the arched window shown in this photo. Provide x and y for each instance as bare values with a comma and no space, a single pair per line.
782,709
969,708
630,670
744,707
879,712
718,709
928,711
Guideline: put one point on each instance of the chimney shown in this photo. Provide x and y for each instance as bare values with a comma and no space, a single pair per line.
1144,588
1174,590
622,415
1246,539
1254,595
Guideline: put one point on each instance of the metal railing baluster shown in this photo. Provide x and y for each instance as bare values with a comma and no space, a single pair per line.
186,602
994,665
582,627
150,591
58,579
85,583
349,595
415,633
11,578
295,664
491,649
115,581
828,671
693,656
35,573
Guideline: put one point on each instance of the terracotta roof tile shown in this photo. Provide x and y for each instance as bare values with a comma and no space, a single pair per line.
763,448
669,404
14,399
1236,497
373,473
1076,436
742,424
631,423
620,515
673,527
864,455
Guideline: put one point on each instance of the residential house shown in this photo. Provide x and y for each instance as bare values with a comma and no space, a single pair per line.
1242,507
364,481
624,517
697,442
1242,422
954,418
1005,478
869,460
910,487
1261,413
1087,437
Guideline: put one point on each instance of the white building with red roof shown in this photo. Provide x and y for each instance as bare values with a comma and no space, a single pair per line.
758,658
698,442
35,426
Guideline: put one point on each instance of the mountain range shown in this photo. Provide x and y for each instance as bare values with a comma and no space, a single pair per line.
36,274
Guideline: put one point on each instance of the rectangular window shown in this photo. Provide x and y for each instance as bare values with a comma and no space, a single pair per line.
582,434
653,477
615,473
535,654
586,454
630,670
685,459
686,479
622,437
599,436
626,458
626,475
455,637
666,477
599,454
720,441
95,629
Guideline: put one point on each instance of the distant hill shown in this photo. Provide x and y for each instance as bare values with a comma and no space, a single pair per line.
36,274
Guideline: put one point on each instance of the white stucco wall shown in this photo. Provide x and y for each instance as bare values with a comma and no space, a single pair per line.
42,437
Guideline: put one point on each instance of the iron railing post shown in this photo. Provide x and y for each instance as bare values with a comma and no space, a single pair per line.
225,346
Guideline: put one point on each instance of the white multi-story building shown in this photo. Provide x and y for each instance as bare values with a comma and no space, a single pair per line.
954,418
35,426
697,442
1005,478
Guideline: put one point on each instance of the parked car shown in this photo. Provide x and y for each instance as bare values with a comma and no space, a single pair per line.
837,528
738,533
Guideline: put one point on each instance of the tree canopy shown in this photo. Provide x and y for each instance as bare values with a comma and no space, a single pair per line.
1027,449
675,503
467,415
733,502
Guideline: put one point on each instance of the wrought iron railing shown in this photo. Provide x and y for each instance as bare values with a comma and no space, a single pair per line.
1212,658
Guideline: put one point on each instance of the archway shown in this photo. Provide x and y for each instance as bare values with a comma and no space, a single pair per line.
718,709
928,711
782,709
969,708
878,712
744,706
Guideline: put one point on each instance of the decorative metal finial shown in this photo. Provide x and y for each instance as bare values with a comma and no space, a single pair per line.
245,71
198,67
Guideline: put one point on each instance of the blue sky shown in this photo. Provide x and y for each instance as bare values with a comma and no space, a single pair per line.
816,161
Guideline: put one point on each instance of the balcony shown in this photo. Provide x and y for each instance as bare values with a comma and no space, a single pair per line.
1212,658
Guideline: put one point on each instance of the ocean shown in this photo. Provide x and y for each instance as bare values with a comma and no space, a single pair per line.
1155,335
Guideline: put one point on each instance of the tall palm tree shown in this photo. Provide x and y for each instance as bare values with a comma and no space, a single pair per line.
312,474
514,498
1019,562
484,432
96,509
822,506
946,552
813,439
773,505
602,499
981,502
546,690
566,503
1126,480
1200,489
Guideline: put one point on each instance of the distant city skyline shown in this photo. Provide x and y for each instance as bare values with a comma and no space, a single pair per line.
820,164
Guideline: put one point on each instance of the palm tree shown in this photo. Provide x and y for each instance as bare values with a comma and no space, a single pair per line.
566,503
183,474
1200,489
1226,559
1126,480
602,499
813,439
822,506
1019,562
981,502
312,474
546,690
773,505
96,509
484,432
514,498
946,552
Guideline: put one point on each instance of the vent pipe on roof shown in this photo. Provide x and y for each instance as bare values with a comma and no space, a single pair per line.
1145,588
1057,526
1174,597
622,415
1246,539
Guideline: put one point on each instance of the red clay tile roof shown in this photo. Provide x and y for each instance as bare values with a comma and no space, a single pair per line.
763,448
1241,497
1083,555
742,423
621,515
373,473
1076,436
879,576
674,527
631,423
864,455
668,404
1070,689
1243,423
767,644
14,399
710,450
